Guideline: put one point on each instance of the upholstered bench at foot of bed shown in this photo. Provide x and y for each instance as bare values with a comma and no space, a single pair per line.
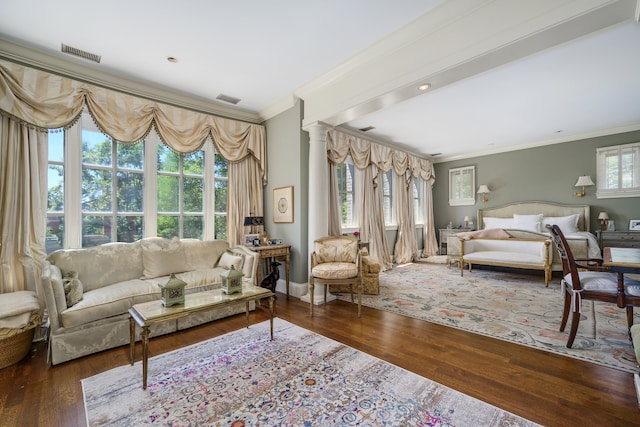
515,253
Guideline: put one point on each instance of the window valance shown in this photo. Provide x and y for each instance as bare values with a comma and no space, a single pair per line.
48,101
364,152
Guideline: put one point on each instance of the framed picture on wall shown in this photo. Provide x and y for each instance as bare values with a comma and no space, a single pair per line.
283,204
634,225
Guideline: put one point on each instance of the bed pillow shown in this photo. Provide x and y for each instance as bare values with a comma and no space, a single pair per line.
495,222
568,224
527,222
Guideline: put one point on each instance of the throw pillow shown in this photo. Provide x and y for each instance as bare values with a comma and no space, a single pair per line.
162,257
72,288
227,260
527,222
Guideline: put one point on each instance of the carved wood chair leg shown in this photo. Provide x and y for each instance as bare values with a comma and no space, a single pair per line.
630,316
575,320
311,295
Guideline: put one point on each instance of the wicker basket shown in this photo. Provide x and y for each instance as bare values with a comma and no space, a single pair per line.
15,348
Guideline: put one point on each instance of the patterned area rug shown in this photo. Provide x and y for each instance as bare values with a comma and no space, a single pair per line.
299,379
511,306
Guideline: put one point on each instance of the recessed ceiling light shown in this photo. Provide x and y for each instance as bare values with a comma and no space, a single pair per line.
172,59
424,86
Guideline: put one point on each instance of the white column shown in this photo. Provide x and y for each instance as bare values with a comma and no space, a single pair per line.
318,197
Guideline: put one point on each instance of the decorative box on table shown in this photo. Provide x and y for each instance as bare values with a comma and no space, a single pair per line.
172,291
231,281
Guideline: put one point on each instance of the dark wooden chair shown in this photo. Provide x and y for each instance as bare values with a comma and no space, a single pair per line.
587,279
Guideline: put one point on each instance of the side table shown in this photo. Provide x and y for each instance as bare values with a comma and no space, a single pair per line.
279,252
443,233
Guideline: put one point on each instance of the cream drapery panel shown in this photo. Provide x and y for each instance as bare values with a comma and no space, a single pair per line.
335,215
246,191
23,205
406,248
364,154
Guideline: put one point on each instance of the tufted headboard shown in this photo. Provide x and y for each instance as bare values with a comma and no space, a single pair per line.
548,209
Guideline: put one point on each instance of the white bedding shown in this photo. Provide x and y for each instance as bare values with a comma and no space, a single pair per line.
594,247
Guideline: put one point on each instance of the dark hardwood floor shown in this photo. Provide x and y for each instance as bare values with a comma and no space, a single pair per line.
544,387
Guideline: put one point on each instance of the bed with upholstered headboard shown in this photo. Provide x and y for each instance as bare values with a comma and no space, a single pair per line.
528,220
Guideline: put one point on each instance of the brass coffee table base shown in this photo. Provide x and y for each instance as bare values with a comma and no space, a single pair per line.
149,313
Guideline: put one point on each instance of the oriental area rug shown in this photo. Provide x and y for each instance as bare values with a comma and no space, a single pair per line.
298,379
507,305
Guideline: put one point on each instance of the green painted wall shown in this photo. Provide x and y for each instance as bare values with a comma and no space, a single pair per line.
288,164
546,173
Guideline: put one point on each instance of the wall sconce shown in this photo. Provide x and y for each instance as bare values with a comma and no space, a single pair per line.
466,221
583,181
603,217
484,190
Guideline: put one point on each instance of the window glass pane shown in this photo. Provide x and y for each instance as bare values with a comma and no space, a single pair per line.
130,228
96,230
55,201
221,227
345,176
220,194
168,226
130,191
168,161
130,156
96,190
96,148
56,145
386,189
193,163
193,227
222,166
193,191
168,193
416,201
55,233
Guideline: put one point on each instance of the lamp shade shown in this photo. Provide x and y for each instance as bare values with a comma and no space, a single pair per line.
466,218
253,220
584,181
603,215
483,189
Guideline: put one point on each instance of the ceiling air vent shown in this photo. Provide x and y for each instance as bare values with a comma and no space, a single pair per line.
367,129
227,98
80,53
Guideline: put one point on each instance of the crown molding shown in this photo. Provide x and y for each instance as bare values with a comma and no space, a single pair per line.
569,138
74,69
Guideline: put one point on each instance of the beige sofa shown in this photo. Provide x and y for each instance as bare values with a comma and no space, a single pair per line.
116,276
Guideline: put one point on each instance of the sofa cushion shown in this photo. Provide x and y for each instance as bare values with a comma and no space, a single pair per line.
335,270
101,265
504,257
107,301
161,257
203,253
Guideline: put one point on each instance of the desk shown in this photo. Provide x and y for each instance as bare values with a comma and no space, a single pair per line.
280,252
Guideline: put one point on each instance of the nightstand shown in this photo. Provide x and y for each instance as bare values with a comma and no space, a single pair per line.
618,239
444,232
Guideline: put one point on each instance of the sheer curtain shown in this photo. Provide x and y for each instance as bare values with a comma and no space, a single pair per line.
406,249
33,100
23,205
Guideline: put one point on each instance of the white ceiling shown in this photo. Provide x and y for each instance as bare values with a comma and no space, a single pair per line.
267,53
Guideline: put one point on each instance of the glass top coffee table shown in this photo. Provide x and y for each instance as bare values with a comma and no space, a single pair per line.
149,313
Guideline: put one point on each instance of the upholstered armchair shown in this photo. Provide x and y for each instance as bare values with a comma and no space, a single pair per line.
336,260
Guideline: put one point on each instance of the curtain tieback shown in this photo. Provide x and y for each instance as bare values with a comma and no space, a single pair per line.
576,298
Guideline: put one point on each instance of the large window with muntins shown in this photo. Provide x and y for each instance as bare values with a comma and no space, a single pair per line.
346,189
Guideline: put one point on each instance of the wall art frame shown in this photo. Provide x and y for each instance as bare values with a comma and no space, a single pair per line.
283,204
